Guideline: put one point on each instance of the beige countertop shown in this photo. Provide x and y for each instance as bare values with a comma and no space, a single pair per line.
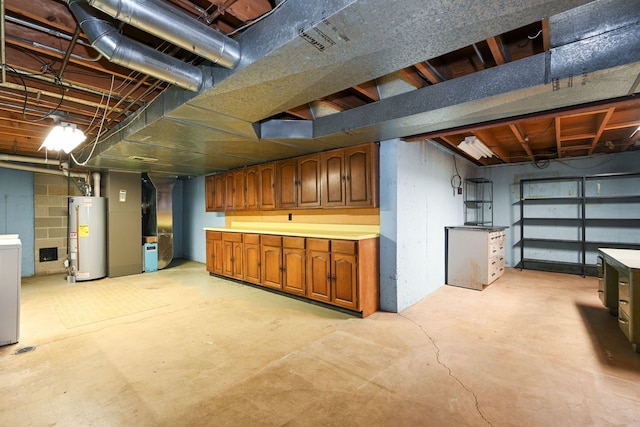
627,257
323,231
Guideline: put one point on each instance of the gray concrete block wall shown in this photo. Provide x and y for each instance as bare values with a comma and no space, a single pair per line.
51,193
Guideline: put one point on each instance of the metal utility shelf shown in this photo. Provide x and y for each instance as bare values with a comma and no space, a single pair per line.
601,205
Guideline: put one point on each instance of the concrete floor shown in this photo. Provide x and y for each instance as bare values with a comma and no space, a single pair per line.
178,347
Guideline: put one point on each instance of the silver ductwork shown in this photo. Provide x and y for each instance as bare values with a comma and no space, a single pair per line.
106,39
161,20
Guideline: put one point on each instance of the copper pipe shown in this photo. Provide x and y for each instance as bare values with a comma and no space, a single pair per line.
67,55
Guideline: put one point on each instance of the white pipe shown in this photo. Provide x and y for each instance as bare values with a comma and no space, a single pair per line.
96,184
25,159
30,168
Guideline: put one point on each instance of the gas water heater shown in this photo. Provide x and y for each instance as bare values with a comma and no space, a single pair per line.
87,237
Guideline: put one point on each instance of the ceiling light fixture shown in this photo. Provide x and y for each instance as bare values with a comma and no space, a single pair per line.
64,136
475,148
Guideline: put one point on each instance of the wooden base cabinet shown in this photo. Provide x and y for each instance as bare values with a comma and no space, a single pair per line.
293,265
271,257
343,273
214,252
332,270
251,258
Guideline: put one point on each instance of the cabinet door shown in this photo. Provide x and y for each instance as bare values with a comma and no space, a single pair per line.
227,259
287,180
319,275
361,175
218,193
333,179
229,181
210,255
344,280
251,189
238,266
293,280
267,186
239,190
272,266
218,257
309,181
251,258
209,193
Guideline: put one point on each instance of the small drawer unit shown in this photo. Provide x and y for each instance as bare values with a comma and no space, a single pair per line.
474,255
620,291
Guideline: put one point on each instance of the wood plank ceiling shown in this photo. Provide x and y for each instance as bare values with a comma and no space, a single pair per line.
51,70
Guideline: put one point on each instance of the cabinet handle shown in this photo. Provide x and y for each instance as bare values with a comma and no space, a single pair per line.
623,284
623,302
600,291
623,321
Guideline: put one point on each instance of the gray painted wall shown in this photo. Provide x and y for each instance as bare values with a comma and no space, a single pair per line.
506,180
415,179
17,212
194,219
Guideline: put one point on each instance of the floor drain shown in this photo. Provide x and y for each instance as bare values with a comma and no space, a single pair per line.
25,349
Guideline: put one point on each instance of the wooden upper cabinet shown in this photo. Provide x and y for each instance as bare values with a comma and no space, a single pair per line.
361,167
218,192
209,193
346,177
252,190
287,179
239,190
267,186
309,181
229,189
333,179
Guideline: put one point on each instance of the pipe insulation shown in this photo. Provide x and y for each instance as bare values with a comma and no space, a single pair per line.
121,50
163,21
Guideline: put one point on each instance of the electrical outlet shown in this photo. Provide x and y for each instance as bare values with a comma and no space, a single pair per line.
290,217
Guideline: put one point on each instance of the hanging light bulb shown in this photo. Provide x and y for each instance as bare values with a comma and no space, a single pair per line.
64,136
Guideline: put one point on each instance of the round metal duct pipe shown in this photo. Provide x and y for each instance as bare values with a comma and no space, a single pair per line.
108,41
162,20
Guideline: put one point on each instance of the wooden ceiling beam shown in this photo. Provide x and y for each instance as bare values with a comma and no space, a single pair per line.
623,125
546,43
412,78
578,136
558,136
430,73
601,128
523,140
368,89
493,145
551,115
500,54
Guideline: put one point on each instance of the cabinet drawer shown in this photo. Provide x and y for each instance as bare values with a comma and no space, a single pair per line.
232,237
268,240
343,246
623,289
318,245
624,322
251,239
293,242
214,235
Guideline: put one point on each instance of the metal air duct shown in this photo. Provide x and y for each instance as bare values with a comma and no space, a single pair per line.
106,39
161,20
